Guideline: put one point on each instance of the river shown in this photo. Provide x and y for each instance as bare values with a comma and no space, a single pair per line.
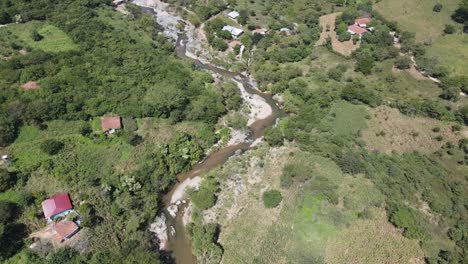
179,245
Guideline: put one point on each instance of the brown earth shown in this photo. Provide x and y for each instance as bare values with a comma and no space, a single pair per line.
389,130
344,48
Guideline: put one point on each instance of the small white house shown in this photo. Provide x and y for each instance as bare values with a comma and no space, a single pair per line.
233,14
235,32
5,158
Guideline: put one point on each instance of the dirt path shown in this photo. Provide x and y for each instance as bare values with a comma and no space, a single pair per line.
346,47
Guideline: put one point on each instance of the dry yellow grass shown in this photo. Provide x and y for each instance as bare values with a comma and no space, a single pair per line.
372,241
389,130
346,47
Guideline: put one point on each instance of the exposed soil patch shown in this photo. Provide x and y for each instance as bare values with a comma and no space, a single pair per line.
389,130
346,47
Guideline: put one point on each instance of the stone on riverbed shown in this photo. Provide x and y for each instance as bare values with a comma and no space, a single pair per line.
173,210
159,227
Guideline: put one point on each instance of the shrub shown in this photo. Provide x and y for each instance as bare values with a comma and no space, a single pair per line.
436,129
51,146
206,195
403,63
6,180
335,74
410,220
36,36
272,198
437,7
224,34
345,36
449,29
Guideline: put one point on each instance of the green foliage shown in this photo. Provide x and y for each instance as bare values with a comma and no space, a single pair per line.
365,64
272,198
437,7
356,92
204,237
6,180
403,63
205,197
51,146
411,222
345,36
449,29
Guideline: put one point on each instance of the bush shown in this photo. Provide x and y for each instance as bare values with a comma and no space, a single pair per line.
345,36
36,36
206,195
6,180
272,198
437,7
410,220
224,34
403,63
449,29
51,146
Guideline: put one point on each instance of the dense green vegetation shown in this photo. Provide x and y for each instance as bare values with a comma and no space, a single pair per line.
90,61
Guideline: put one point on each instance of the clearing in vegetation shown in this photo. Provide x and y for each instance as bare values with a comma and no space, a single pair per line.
389,131
53,39
387,244
345,47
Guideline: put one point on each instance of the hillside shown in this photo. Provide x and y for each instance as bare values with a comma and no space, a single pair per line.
302,131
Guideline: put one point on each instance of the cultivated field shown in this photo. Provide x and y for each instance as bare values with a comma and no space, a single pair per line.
54,39
389,131
345,47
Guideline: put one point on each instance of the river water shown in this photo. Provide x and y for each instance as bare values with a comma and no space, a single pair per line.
179,245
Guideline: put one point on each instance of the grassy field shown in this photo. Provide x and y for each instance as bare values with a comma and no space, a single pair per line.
306,227
452,52
417,16
54,39
389,130
387,244
345,118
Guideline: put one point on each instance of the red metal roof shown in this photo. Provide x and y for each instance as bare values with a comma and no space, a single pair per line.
356,29
31,85
56,204
362,20
110,122
65,229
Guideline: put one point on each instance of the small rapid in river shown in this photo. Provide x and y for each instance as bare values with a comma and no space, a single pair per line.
178,244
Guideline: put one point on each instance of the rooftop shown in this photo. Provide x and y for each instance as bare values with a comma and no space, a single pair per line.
31,85
356,29
233,30
56,204
110,122
233,14
362,20
65,230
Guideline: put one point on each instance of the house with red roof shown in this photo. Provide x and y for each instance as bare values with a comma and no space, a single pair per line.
57,205
65,230
362,22
111,123
354,29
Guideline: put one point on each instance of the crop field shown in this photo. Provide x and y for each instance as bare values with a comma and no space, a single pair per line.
389,131
54,40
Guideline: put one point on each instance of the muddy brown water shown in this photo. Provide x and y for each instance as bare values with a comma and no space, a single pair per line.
179,245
